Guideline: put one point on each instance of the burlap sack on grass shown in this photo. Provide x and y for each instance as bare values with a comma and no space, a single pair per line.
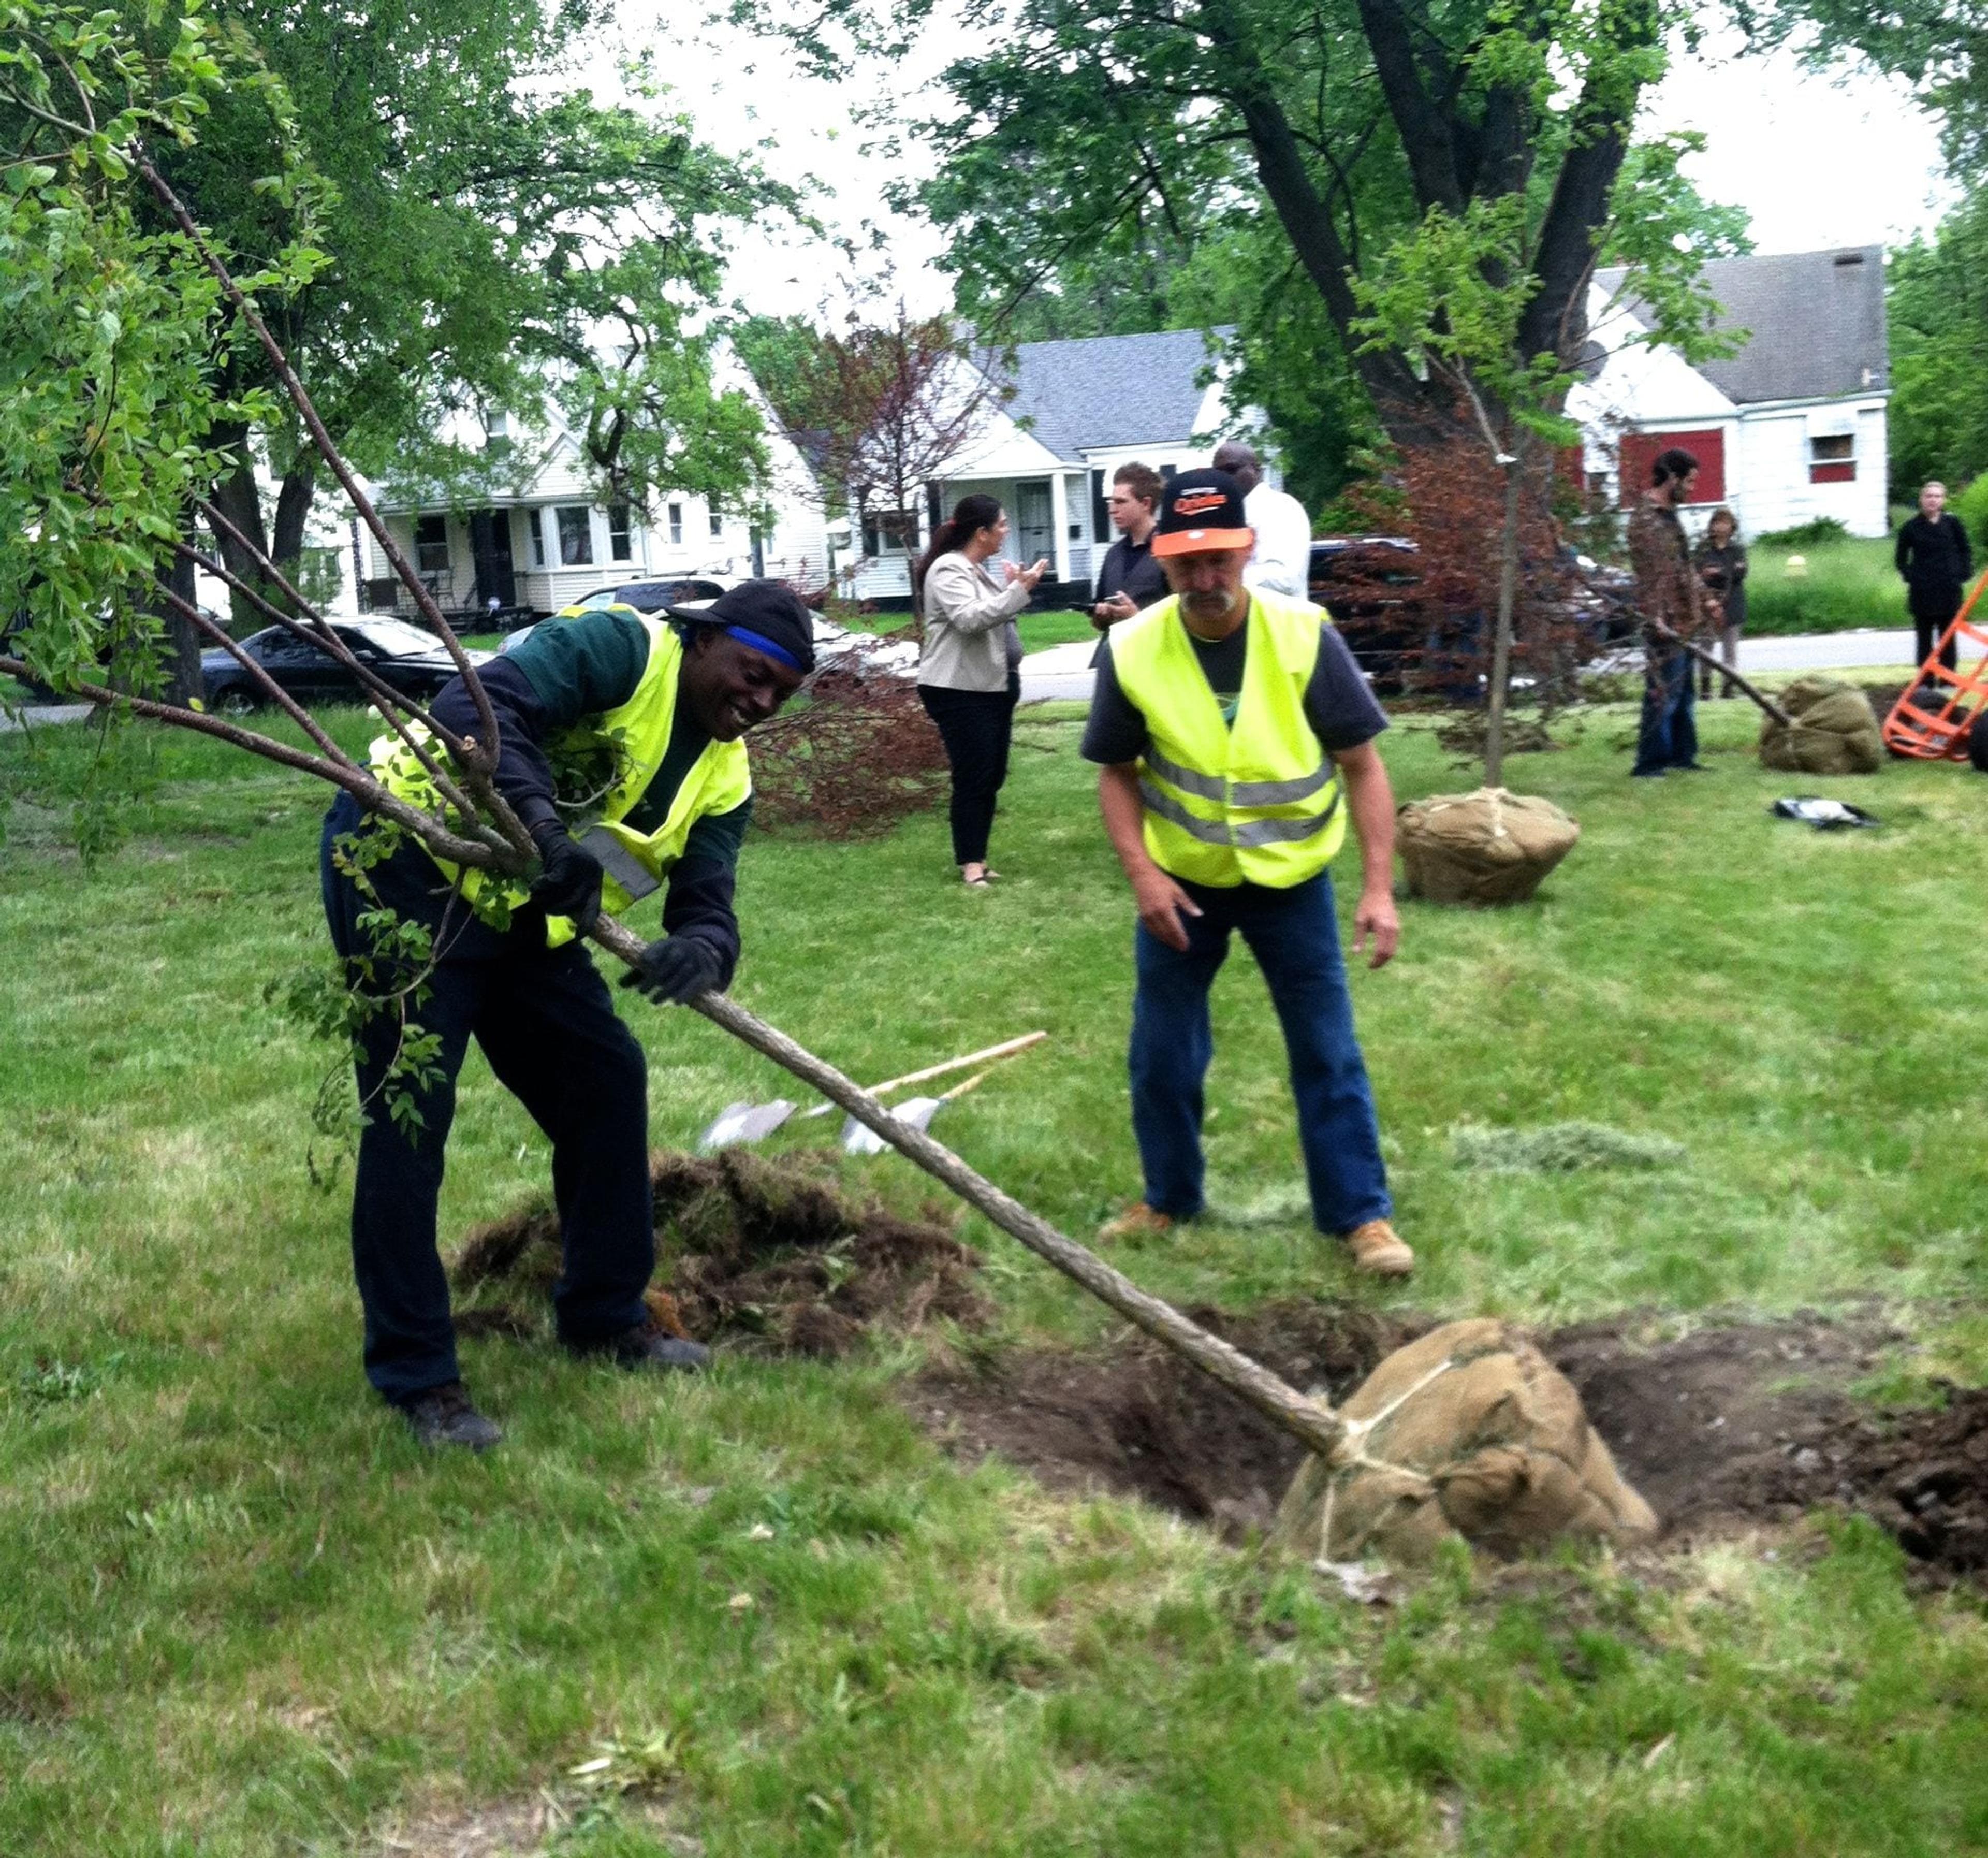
1834,731
1475,1433
1487,847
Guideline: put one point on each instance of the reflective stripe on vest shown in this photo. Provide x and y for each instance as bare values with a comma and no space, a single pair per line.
1257,802
636,862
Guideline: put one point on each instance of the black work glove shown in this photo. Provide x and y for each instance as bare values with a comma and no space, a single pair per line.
676,967
570,886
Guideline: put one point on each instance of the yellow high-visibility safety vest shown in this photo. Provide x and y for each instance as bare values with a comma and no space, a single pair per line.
719,780
1258,802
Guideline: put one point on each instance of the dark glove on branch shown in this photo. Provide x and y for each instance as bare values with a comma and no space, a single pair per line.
570,886
676,967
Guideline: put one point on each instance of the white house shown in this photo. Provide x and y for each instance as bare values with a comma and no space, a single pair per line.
1790,429
1078,411
544,541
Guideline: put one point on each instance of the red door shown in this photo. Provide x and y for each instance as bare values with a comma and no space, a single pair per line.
1639,450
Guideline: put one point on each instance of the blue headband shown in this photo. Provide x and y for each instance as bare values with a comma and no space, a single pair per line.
759,642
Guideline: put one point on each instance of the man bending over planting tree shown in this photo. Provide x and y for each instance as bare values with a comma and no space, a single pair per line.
630,727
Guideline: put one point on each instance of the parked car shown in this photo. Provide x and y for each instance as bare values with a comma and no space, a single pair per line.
414,662
1368,584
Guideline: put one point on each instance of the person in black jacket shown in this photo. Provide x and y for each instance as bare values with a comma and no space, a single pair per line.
1129,579
630,722
1937,563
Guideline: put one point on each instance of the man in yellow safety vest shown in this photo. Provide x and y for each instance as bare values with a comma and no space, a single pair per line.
619,749
1235,735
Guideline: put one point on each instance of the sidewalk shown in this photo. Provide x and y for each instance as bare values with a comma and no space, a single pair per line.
1064,671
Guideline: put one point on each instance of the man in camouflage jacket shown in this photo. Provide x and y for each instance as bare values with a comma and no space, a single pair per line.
1668,593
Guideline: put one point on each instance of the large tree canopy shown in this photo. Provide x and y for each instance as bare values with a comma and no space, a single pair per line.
1305,138
493,233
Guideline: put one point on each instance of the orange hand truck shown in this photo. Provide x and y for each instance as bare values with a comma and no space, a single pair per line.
1931,720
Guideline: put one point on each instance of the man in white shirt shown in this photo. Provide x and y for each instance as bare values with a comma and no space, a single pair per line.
1282,562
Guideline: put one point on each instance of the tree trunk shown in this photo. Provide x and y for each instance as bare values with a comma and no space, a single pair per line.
293,504
236,496
1501,649
180,665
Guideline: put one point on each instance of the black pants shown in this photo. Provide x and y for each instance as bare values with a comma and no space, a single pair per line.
1933,609
547,1025
975,726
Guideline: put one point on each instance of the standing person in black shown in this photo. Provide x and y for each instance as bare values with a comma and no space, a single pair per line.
1721,559
1933,556
1130,579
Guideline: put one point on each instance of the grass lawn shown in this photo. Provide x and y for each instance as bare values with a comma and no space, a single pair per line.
1848,584
241,1613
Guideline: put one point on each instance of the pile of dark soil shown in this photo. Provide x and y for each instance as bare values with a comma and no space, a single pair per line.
1744,1424
1731,1428
771,1255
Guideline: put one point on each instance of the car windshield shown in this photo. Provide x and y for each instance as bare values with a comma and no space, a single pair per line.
394,636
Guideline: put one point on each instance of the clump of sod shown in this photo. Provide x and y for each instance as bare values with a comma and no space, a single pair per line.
773,1252
1558,1147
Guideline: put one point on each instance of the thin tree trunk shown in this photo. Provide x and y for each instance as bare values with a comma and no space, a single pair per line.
293,505
183,680
237,497
1501,649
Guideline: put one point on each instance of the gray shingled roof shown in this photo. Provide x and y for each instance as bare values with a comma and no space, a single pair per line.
1816,320
1108,390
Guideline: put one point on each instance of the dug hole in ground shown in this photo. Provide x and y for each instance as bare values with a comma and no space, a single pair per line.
1614,1429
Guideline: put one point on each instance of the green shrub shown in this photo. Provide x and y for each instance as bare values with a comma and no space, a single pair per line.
1811,534
1971,505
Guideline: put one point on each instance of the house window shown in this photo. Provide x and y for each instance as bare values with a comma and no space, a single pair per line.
576,535
1832,457
1639,452
676,522
717,526
432,544
1100,508
890,531
535,521
620,537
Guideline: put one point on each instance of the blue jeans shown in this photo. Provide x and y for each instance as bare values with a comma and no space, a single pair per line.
1668,736
1294,936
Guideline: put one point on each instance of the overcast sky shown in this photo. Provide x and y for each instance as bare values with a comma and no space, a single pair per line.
1814,162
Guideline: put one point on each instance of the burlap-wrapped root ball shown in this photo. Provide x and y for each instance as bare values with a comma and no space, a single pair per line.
1835,731
1487,847
1474,1433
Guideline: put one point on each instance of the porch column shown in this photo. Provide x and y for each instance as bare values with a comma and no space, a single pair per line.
1060,523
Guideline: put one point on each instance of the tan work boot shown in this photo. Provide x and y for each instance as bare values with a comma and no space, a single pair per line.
1138,1221
1378,1251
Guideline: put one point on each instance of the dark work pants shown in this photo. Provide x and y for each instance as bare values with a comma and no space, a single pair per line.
975,725
1669,735
548,1027
1933,613
1294,936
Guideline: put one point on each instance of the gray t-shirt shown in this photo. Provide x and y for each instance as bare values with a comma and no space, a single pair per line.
1339,707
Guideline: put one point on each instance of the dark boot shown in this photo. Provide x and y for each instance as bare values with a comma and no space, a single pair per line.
648,1345
446,1415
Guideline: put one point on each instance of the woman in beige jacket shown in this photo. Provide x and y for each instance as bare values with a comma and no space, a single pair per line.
969,672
